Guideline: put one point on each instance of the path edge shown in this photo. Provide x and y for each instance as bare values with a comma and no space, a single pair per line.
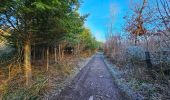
71,79
124,93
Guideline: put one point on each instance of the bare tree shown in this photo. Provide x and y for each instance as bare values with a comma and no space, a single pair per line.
163,7
135,22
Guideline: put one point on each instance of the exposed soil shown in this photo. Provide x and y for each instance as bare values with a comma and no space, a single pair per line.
94,82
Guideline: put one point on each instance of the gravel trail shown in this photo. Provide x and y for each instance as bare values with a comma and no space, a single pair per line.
94,82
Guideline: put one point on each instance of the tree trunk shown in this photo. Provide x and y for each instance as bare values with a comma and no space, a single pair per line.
78,49
148,59
59,51
147,55
55,53
27,62
9,72
47,59
43,54
34,52
62,53
136,40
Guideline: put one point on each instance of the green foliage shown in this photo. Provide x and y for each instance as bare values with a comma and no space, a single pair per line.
41,20
87,39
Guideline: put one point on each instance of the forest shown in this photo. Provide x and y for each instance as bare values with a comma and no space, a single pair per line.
48,53
39,40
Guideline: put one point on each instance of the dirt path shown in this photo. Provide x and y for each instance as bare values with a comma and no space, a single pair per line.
94,82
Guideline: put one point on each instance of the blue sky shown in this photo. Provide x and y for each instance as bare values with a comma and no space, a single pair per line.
100,15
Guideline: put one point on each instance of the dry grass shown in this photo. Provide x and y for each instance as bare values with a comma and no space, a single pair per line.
13,87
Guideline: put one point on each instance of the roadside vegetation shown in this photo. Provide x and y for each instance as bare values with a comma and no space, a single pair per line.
42,42
142,57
